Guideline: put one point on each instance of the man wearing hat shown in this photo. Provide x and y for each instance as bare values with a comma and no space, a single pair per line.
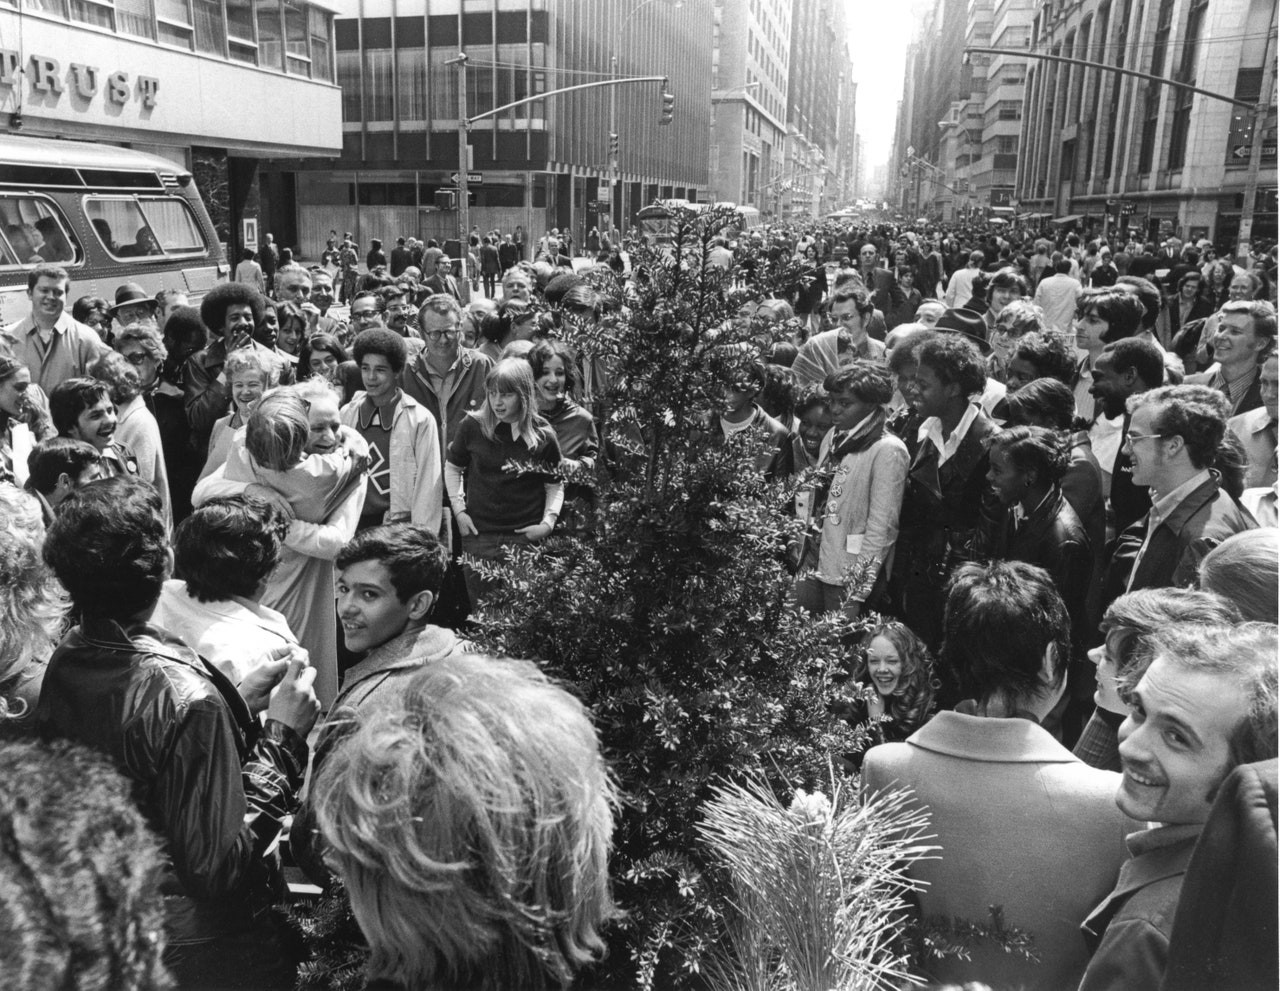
133,306
49,342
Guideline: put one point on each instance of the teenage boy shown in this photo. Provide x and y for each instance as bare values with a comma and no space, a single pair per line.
388,581
57,467
404,474
862,473
81,409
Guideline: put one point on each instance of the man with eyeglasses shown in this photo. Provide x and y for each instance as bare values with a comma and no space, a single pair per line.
399,309
1173,440
367,310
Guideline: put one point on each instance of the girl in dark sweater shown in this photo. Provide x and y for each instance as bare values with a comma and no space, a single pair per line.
556,378
495,507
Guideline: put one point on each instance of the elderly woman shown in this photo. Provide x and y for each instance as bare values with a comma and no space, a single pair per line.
499,886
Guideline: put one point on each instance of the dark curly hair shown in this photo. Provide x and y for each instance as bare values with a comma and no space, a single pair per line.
954,359
379,340
1035,450
228,547
216,302
542,353
1043,402
109,548
81,907
1121,309
868,380
1049,353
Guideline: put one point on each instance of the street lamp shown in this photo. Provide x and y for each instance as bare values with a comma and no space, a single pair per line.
613,95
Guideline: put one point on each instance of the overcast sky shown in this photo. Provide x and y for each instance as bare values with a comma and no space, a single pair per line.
879,31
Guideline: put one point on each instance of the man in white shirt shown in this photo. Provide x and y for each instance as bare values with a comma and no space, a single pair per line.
960,288
1257,430
1057,296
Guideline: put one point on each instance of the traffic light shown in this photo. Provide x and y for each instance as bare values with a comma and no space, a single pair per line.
613,144
446,199
668,103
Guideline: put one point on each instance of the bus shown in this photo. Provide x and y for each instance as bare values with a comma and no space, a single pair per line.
107,215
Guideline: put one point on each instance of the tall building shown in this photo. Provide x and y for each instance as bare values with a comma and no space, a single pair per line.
198,83
748,155
1107,151
819,71
994,167
541,165
936,78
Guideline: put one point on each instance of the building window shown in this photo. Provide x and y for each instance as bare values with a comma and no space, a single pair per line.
92,12
1146,151
379,84
270,46
349,80
298,62
211,35
411,83
174,23
134,17
1186,73
53,7
1248,87
319,24
240,43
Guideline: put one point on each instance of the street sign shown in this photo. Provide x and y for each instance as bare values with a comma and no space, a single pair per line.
474,178
597,206
1240,151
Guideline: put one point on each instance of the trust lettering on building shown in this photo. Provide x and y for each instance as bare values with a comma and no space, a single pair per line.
49,78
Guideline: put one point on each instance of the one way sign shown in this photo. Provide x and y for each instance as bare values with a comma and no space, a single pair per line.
472,177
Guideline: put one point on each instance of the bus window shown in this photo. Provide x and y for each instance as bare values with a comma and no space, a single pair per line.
144,227
174,224
34,233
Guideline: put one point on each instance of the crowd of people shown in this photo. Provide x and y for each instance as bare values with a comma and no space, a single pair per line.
239,544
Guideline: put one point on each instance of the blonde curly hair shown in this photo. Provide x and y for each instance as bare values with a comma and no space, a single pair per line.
33,606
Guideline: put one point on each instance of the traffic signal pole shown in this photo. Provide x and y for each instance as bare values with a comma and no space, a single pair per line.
465,122
1258,109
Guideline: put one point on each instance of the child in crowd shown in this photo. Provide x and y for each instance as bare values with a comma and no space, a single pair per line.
556,379
499,507
389,578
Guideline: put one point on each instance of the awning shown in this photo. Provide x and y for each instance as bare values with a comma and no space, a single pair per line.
1071,218
1002,209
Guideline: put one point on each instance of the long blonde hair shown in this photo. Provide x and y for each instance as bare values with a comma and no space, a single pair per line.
515,375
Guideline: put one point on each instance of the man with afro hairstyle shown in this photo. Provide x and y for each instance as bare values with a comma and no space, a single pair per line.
405,477
230,312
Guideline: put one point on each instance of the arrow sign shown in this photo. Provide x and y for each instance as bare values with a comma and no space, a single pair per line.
1240,151
472,177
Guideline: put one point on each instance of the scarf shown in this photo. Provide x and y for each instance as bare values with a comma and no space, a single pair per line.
855,441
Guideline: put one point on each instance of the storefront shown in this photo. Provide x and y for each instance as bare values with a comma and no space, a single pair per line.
213,85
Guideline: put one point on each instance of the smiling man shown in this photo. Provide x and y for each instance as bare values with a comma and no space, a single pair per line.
1173,438
388,581
1206,704
81,409
404,473
51,344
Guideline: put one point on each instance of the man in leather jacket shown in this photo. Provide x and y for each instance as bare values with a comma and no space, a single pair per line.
213,781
